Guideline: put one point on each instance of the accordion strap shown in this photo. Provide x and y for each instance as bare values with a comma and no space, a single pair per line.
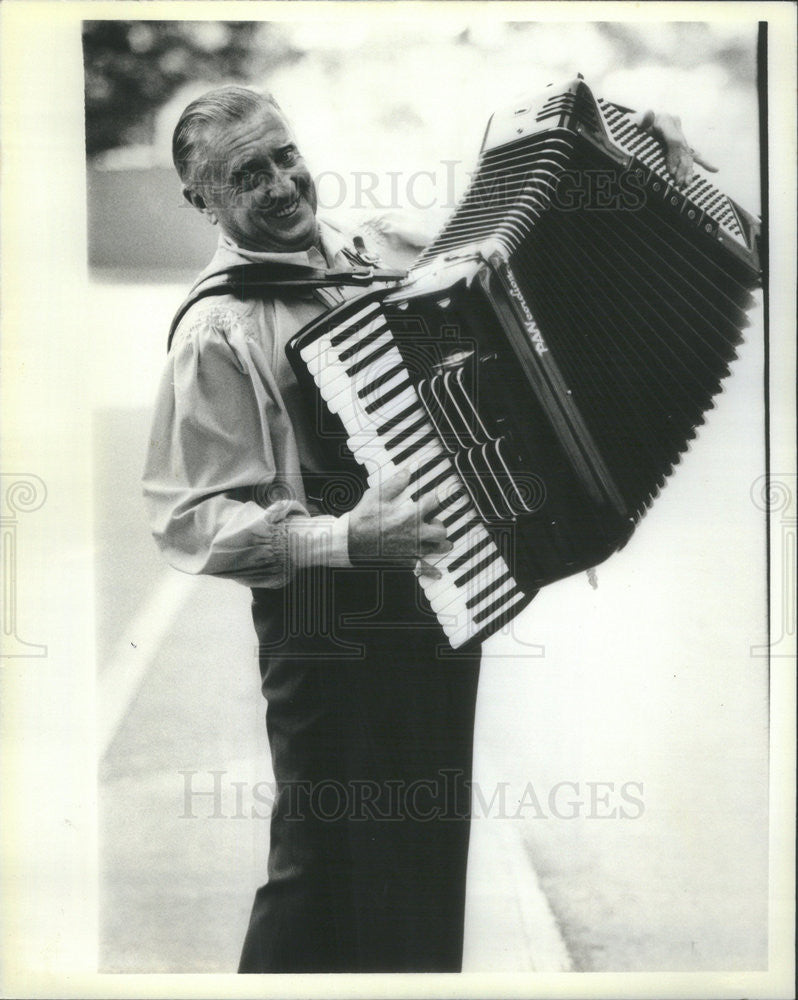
249,280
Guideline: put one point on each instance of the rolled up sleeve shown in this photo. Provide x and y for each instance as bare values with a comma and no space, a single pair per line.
217,502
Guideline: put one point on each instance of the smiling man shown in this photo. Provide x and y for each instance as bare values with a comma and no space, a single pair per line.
251,178
370,729
370,734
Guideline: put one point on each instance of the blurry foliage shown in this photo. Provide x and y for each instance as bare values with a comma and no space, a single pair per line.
685,44
133,67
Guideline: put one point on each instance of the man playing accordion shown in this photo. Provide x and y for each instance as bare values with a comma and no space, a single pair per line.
370,729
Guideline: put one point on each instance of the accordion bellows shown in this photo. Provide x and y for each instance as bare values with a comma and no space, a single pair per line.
549,356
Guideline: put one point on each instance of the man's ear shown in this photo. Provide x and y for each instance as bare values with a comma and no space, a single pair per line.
195,199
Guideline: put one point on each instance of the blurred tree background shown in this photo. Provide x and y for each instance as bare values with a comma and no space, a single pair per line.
389,106
133,67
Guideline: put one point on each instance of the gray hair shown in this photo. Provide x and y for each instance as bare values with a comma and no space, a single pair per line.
221,106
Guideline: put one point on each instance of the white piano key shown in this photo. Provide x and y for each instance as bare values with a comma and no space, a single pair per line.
364,350
452,575
374,393
446,583
494,595
375,368
458,638
412,418
444,489
359,336
353,320
389,409
444,560
431,449
474,587
445,601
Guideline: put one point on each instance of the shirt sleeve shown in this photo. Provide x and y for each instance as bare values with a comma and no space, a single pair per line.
210,473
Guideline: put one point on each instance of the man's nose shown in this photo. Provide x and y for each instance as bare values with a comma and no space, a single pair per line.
281,184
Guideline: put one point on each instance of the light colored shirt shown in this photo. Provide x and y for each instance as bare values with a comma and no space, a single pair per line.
230,435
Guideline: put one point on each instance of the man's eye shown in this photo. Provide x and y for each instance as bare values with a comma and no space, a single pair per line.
246,180
289,155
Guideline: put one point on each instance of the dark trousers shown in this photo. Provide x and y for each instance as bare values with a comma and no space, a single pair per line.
370,724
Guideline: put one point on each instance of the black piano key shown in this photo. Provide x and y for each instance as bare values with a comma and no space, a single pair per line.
461,560
450,519
358,366
459,532
388,425
480,616
432,484
486,591
494,625
448,501
415,447
344,335
388,396
361,344
375,384
403,434
422,470
471,573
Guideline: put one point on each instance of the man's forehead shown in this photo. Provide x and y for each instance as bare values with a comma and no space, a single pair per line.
263,124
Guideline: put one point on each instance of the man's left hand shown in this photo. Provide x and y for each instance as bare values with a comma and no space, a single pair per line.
679,154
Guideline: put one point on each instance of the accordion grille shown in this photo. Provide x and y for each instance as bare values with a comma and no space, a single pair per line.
639,311
643,341
511,188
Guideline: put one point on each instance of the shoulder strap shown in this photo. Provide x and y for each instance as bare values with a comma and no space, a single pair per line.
247,280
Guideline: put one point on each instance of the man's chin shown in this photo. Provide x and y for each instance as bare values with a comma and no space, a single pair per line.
301,236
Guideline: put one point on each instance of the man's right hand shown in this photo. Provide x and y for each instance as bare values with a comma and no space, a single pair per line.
389,526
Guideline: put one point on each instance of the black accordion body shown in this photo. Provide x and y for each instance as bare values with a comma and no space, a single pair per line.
549,356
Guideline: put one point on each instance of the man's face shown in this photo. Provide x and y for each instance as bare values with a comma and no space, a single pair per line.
258,185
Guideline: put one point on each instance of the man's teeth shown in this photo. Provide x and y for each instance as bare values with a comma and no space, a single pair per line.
288,210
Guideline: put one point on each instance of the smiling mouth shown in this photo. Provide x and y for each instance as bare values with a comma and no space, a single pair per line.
286,210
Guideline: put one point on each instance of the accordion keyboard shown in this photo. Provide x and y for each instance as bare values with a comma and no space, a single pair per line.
360,373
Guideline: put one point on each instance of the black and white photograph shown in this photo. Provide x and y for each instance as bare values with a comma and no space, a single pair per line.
399,499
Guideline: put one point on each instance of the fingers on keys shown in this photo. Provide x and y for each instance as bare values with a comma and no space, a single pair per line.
430,534
643,119
680,156
396,485
432,538
699,159
423,568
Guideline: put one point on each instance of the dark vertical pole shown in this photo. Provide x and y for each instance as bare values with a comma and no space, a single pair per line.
764,256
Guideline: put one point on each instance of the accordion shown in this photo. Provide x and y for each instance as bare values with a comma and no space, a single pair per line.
548,357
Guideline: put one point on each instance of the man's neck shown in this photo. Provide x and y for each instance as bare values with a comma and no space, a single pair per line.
316,243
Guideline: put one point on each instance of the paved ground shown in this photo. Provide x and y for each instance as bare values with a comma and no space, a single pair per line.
180,865
646,681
